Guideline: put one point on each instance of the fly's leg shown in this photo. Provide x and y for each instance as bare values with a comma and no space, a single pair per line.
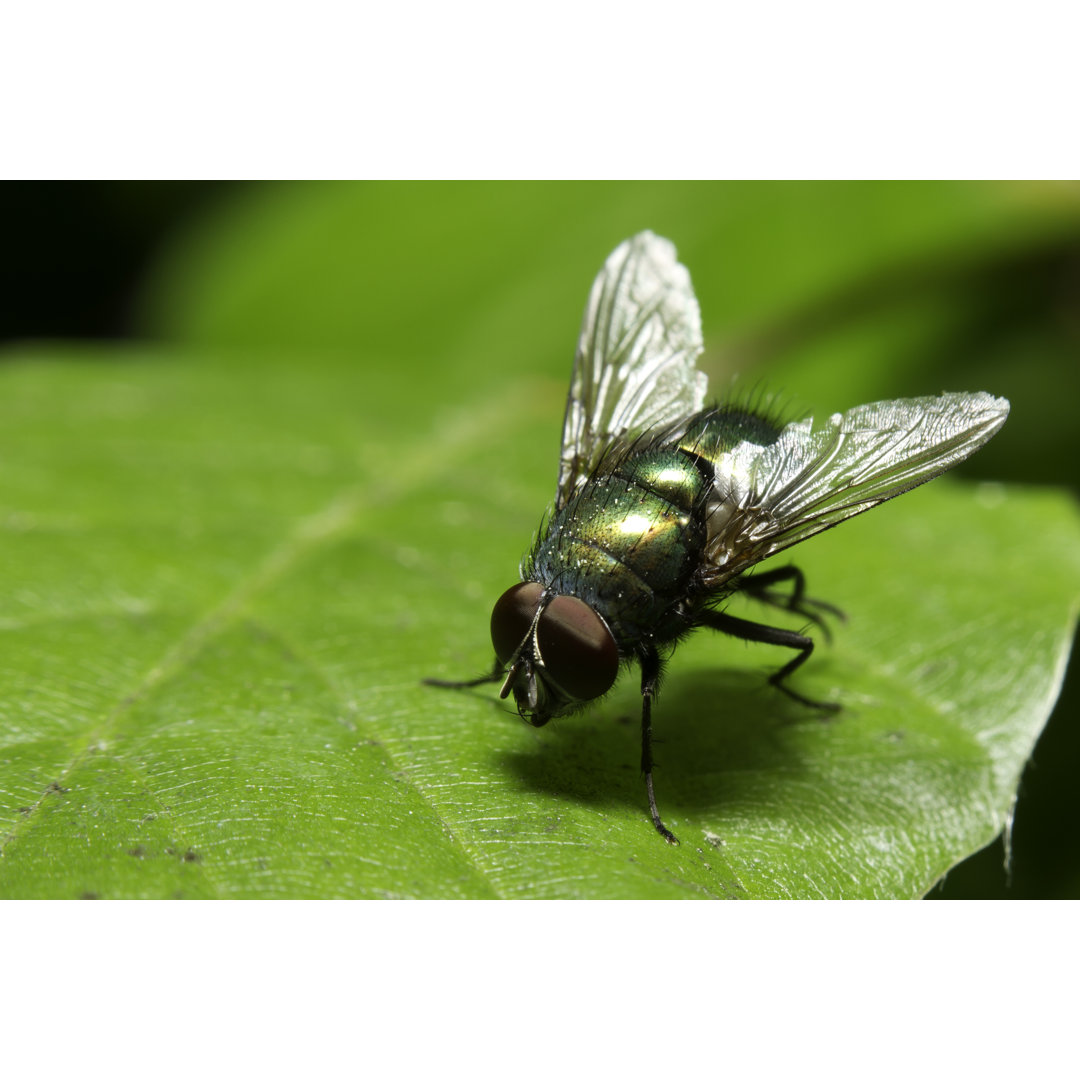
771,635
650,679
760,587
495,675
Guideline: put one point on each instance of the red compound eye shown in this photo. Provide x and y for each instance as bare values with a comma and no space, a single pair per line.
577,649
512,616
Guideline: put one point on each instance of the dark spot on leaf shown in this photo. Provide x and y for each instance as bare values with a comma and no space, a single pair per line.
25,809
714,840
150,817
137,852
192,856
55,786
170,851
90,896
732,888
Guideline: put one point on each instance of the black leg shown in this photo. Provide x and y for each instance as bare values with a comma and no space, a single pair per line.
771,635
650,678
759,587
497,672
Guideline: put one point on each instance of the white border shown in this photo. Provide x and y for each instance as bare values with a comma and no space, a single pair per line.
583,89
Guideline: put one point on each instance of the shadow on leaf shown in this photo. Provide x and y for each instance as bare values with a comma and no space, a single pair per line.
707,725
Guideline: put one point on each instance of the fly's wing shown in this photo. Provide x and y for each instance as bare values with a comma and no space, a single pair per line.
767,498
635,363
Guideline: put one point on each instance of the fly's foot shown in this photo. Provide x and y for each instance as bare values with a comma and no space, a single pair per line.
661,828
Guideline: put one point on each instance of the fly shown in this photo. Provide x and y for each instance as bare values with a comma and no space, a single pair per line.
663,504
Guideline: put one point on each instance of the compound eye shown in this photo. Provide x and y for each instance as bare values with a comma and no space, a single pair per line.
512,616
577,648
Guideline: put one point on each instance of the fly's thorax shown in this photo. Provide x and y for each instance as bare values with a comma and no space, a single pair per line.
629,541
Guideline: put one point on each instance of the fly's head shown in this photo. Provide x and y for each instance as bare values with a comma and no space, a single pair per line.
557,651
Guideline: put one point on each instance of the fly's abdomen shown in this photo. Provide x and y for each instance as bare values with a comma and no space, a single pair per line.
713,432
628,542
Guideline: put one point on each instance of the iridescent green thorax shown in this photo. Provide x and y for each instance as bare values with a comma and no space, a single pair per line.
630,540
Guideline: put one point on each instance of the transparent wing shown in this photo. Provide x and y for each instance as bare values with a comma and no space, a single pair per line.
767,498
635,362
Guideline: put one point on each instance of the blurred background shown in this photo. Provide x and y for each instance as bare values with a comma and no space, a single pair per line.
834,293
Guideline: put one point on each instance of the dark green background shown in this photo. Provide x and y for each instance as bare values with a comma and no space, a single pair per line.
936,286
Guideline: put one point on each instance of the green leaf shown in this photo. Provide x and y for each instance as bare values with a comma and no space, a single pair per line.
224,582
